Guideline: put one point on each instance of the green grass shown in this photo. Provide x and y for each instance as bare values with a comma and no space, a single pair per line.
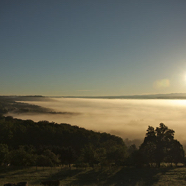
114,176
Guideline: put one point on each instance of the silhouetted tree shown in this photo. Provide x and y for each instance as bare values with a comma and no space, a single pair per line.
136,159
131,149
54,159
116,155
3,153
20,157
159,146
89,156
175,153
43,161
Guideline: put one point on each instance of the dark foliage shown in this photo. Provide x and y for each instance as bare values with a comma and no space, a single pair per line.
160,146
44,143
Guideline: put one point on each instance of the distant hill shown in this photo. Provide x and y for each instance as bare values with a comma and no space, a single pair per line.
15,104
48,98
148,96
25,98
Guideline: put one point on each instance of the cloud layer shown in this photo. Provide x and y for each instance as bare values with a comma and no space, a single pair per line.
122,117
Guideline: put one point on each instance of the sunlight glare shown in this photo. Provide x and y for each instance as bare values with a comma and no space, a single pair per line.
179,102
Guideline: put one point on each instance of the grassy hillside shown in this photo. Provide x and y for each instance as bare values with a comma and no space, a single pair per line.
96,176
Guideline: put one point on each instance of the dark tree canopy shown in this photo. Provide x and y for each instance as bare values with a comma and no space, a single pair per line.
159,145
45,143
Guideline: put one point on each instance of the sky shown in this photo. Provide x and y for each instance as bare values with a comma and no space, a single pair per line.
92,47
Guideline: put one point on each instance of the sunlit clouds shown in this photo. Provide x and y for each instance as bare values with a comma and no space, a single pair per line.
84,90
162,83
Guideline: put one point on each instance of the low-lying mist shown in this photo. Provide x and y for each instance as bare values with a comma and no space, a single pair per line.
122,117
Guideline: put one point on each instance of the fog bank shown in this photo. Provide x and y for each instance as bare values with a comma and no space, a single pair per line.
123,117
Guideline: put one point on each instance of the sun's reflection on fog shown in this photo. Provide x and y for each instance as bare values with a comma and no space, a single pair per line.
178,102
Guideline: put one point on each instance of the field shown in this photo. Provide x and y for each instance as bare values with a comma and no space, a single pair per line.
113,176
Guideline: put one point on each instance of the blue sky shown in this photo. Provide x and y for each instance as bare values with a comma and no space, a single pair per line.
92,47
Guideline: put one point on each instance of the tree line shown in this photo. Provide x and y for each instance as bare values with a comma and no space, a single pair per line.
25,142
43,143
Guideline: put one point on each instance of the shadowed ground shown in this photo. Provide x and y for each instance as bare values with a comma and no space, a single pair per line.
113,176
